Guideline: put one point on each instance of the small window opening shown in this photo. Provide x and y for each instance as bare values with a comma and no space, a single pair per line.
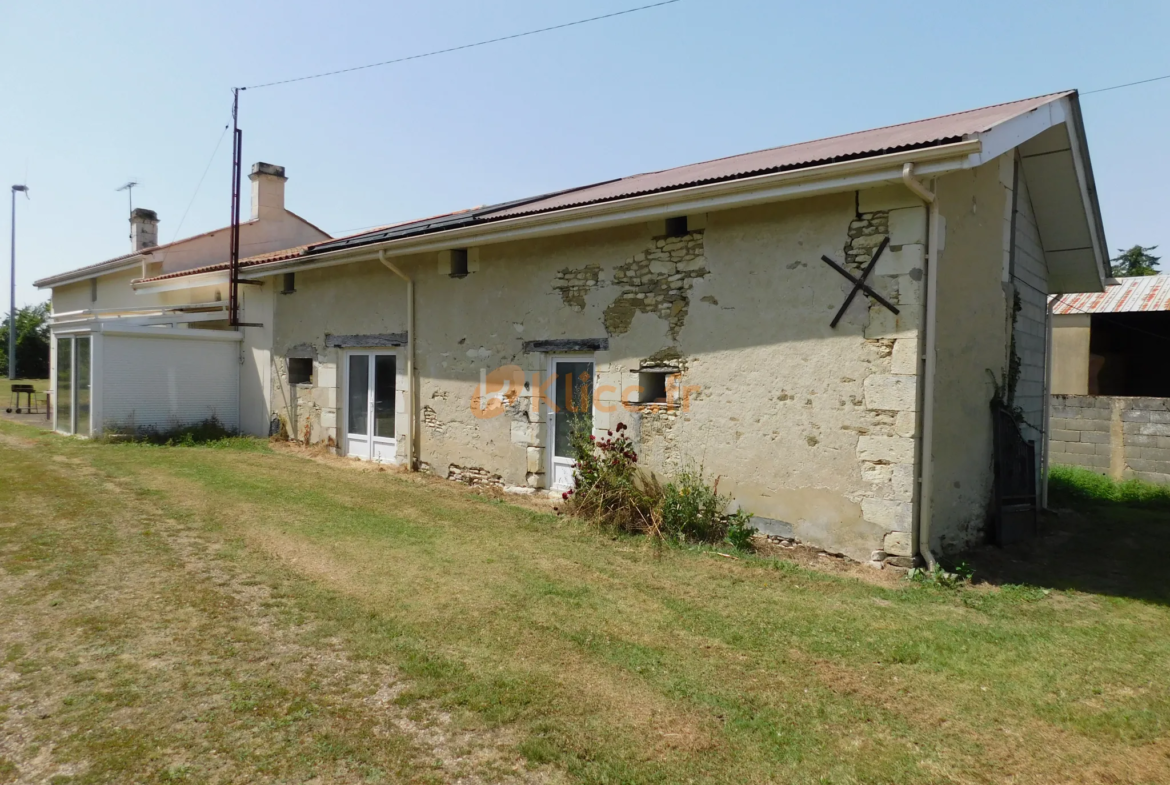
300,370
676,227
93,290
459,263
290,283
652,387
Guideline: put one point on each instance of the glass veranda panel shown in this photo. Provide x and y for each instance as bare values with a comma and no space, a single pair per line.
84,352
65,385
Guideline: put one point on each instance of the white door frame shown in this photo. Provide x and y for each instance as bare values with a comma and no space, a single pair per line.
554,461
377,448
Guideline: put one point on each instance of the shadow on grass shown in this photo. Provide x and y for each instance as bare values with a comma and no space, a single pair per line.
1102,537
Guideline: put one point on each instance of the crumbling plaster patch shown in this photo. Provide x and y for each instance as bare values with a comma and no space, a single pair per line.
657,281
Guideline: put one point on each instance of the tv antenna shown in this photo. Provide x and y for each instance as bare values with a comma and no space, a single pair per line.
129,189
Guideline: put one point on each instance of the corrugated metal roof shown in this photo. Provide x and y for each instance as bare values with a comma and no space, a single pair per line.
1146,293
879,141
863,144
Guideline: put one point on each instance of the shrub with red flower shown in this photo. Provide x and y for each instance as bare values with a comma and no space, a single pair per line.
608,489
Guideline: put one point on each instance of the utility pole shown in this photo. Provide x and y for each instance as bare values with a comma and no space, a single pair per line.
12,288
234,233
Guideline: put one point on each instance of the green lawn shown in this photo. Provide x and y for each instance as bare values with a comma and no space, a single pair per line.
242,615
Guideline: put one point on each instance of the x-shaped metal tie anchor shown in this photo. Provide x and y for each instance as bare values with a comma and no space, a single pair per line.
859,284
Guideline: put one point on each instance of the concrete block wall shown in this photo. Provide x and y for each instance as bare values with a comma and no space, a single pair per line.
1124,438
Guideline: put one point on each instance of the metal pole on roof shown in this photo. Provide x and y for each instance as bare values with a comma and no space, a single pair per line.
12,288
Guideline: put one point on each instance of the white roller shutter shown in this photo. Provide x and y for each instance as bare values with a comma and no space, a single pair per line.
164,382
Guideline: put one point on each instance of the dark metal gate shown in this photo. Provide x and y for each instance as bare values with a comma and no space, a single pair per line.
1015,516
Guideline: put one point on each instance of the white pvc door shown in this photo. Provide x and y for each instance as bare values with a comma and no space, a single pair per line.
370,399
574,408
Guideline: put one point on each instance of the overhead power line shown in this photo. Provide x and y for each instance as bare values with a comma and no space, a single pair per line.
1127,84
199,185
464,46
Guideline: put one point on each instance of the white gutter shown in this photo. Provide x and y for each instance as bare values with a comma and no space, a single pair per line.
922,521
97,270
411,461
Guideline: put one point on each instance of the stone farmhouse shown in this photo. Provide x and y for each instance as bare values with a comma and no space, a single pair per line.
821,326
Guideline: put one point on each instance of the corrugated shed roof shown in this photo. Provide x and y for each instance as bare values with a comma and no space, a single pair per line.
1146,293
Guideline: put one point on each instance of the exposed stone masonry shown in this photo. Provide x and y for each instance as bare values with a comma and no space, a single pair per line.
657,281
866,233
574,285
431,420
473,475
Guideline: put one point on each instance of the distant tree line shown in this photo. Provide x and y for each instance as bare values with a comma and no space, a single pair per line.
32,342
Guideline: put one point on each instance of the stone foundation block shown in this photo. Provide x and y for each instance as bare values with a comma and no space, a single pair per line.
326,375
526,432
891,449
890,514
906,424
328,418
904,360
891,392
897,544
535,460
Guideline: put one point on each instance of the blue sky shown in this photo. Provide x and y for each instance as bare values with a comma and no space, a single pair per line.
95,94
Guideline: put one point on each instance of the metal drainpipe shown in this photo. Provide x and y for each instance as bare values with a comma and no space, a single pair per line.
411,458
921,535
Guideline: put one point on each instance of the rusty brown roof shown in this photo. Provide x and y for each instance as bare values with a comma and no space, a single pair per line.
863,144
1146,293
251,261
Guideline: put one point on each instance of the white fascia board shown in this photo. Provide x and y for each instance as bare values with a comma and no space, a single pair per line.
1012,133
1092,208
213,278
775,187
76,277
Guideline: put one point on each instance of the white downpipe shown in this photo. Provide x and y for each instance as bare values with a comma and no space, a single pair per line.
411,461
922,536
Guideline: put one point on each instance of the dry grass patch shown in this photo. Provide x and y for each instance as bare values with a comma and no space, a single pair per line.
396,618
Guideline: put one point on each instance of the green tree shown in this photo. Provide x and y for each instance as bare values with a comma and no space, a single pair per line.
32,342
1134,262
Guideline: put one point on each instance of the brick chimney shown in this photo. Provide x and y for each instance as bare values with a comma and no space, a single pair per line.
143,229
267,190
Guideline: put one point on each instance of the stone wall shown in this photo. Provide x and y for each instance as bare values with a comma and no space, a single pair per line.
1124,438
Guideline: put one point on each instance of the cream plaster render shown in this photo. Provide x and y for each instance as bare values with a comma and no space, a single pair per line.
274,231
972,347
810,428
